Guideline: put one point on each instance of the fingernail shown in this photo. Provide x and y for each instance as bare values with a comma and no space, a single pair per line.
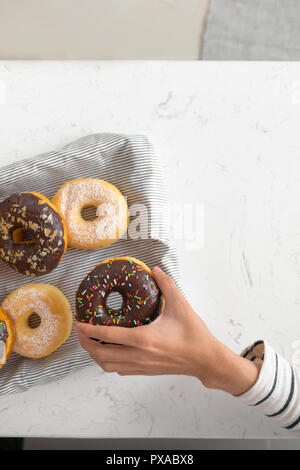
157,269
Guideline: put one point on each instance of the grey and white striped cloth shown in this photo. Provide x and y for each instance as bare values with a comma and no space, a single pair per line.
276,392
128,162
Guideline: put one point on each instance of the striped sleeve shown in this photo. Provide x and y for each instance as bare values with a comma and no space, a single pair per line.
276,392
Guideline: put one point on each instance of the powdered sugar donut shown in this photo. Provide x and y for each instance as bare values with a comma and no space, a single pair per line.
42,319
112,212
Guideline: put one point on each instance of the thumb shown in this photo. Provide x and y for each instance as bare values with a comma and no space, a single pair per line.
166,284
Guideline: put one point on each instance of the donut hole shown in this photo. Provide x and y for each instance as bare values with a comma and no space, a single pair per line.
34,320
21,235
89,213
114,301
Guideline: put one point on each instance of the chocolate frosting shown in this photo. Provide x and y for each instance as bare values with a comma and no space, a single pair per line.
140,293
27,211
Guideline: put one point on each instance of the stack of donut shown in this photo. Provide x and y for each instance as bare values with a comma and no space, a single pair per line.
36,319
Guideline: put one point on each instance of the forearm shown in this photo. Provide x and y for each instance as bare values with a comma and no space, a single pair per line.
238,375
228,371
263,379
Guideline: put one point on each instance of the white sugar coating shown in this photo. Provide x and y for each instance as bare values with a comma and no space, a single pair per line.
19,306
112,213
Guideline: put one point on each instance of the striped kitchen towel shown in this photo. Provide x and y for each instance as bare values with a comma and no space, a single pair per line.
128,162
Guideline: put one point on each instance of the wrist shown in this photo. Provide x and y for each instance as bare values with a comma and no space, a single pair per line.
228,371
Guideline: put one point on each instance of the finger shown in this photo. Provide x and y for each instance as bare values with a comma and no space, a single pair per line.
87,343
110,352
122,368
127,369
111,334
166,284
92,347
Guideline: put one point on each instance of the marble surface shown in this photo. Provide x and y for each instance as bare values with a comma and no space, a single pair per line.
228,138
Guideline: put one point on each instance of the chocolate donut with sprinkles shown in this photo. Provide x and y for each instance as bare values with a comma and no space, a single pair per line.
33,234
142,300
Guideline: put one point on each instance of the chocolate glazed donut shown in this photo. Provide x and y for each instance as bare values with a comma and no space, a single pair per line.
3,338
142,300
7,337
32,213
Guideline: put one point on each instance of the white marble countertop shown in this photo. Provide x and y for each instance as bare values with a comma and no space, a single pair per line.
228,138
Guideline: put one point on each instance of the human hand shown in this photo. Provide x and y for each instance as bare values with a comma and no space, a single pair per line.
177,342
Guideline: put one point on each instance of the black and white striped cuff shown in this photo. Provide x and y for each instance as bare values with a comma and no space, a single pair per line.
276,392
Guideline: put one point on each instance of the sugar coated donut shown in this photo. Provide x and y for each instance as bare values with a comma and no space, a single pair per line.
7,337
32,213
42,319
142,300
112,212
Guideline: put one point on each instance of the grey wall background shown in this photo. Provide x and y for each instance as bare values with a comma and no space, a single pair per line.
150,29
101,29
252,30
